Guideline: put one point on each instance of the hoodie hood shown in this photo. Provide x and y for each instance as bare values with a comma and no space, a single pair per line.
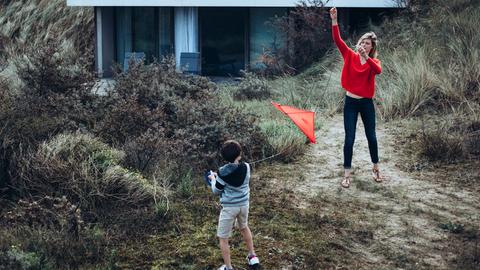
233,174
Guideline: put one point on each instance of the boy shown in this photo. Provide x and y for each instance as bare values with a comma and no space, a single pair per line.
232,183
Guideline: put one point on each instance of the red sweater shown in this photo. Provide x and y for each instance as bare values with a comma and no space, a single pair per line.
356,78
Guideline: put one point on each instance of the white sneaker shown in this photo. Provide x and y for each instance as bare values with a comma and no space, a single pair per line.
224,267
253,260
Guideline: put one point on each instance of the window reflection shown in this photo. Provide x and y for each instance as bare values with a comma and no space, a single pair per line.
223,41
145,30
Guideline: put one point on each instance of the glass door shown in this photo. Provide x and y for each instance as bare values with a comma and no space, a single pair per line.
145,32
223,40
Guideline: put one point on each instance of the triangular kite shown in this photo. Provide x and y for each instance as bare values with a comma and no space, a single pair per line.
303,119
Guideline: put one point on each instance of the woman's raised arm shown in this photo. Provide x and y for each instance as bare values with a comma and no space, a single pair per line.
342,47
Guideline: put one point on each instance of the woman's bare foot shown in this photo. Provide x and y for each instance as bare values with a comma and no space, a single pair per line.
376,175
347,179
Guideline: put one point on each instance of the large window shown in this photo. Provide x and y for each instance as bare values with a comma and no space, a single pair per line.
145,30
223,40
264,39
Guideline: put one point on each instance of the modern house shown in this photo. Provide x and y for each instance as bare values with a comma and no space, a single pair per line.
210,37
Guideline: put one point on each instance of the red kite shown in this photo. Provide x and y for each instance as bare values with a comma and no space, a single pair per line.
303,119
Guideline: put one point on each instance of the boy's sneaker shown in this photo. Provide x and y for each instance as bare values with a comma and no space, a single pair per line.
253,261
224,267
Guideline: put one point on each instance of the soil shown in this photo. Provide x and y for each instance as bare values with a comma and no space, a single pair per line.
413,215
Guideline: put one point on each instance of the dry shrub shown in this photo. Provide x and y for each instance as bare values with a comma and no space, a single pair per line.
24,247
472,140
440,145
48,233
252,87
53,96
162,117
148,151
84,170
449,138
48,212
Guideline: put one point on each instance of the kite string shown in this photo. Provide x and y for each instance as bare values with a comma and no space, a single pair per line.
272,156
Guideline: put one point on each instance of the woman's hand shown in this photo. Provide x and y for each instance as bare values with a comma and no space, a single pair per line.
333,13
362,52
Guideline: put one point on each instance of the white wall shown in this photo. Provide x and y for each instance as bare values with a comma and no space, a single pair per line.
230,3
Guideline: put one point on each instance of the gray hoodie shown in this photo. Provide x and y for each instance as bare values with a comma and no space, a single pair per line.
232,183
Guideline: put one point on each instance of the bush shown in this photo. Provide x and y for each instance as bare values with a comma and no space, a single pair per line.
449,138
163,118
48,233
84,170
52,213
53,96
252,87
441,145
24,247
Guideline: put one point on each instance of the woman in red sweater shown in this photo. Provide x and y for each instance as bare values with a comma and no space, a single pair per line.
358,80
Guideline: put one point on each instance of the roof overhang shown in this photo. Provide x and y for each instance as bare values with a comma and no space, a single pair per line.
231,3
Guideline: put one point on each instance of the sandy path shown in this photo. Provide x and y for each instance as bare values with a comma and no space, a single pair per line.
407,209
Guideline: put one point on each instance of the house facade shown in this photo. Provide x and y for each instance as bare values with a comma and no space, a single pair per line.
208,37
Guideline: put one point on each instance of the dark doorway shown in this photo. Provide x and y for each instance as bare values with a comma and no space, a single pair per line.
145,29
223,40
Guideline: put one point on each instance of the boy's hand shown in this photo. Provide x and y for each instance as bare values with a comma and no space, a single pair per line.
212,175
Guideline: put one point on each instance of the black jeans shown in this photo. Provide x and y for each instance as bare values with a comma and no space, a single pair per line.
351,109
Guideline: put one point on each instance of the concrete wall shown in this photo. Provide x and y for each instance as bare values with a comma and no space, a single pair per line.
230,3
105,41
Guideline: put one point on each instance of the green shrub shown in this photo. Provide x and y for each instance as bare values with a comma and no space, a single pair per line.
252,87
185,187
287,141
16,258
427,71
84,170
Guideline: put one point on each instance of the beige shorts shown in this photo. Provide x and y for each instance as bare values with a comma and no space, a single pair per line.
227,218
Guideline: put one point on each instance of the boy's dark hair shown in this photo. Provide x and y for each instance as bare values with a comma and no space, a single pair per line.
231,149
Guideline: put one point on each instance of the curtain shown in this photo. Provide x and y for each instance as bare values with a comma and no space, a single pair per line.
124,32
186,31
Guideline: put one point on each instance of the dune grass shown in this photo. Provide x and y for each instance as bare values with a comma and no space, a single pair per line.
425,73
28,24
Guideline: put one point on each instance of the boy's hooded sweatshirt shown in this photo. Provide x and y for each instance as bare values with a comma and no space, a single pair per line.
232,183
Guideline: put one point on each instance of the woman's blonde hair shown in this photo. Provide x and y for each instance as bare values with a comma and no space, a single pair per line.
370,35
